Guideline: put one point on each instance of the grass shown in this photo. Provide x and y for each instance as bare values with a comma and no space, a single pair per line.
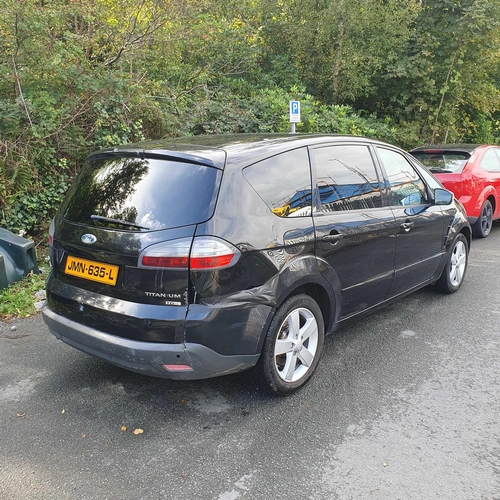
18,299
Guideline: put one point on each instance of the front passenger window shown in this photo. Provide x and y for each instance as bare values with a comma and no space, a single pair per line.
405,185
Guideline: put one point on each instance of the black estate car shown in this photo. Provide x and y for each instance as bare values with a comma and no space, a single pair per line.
203,256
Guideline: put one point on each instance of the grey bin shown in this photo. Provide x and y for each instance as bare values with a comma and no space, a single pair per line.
17,258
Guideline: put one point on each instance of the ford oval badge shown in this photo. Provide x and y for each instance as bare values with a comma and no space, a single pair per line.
88,239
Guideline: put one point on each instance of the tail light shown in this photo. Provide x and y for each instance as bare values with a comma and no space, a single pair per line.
196,254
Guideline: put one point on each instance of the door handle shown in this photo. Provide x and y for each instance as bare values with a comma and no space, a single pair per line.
406,226
332,238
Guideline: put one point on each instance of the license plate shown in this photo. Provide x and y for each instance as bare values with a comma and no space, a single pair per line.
91,270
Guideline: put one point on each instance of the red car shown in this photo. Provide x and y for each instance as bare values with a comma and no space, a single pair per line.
472,173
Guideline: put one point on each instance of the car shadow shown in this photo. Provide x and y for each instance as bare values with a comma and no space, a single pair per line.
88,382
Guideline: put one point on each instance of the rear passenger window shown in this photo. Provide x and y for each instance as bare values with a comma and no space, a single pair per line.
283,182
405,185
491,160
347,179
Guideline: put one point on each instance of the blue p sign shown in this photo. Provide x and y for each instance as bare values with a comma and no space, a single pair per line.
294,111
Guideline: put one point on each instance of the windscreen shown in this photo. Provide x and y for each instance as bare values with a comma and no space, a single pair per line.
441,162
140,194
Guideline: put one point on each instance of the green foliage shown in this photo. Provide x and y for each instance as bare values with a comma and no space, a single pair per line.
30,212
79,76
19,298
267,111
448,72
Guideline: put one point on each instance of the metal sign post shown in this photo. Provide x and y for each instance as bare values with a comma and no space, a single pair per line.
294,115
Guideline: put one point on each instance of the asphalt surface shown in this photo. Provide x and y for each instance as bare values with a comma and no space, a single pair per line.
405,405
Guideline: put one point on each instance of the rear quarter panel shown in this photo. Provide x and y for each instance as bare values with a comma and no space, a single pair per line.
486,185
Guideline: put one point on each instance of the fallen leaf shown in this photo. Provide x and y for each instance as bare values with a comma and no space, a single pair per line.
21,414
183,401
138,431
123,428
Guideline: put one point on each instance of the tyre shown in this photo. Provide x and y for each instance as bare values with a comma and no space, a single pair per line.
482,226
292,347
456,265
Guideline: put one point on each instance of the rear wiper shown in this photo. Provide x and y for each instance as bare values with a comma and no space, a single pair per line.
116,221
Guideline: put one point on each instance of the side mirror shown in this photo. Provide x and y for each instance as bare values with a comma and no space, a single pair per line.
442,196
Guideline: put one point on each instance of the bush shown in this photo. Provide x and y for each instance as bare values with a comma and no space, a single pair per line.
31,211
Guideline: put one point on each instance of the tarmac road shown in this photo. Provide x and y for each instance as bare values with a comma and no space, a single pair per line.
405,405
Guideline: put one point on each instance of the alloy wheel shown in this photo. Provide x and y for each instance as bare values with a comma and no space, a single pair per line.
486,218
458,262
296,345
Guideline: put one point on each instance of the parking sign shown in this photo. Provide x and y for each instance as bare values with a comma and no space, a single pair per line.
294,111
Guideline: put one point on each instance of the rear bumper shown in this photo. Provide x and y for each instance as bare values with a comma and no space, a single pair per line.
147,358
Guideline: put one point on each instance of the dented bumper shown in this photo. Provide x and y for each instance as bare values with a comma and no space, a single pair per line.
194,361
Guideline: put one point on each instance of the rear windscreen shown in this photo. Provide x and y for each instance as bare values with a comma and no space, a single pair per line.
148,194
442,162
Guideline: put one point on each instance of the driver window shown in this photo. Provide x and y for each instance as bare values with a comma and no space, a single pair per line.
405,185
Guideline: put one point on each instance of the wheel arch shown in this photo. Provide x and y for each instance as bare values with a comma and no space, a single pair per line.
458,228
491,198
454,270
466,231
306,275
488,193
315,287
321,297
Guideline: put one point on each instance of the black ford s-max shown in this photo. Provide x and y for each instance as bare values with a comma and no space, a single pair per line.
199,257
